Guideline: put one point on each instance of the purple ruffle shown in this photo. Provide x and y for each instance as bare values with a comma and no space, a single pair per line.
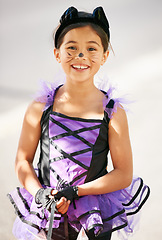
31,219
109,212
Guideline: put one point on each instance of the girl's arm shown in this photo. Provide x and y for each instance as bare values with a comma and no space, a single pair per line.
28,143
120,149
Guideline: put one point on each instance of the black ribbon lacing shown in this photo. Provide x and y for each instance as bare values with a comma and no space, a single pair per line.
53,208
60,185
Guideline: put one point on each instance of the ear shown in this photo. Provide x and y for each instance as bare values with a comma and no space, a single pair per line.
57,54
105,56
69,14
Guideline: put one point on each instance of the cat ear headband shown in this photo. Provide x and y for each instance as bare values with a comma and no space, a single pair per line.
71,16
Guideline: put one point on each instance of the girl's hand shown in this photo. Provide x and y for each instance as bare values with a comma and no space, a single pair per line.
62,205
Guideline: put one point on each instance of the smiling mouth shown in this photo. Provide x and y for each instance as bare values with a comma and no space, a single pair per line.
80,67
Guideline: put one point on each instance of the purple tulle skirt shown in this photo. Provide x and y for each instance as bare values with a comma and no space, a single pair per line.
105,213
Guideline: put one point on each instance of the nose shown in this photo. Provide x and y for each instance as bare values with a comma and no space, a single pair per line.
80,55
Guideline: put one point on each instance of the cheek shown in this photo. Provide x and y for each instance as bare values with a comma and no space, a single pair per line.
95,57
67,56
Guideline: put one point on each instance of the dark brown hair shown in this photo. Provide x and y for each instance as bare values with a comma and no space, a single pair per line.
99,31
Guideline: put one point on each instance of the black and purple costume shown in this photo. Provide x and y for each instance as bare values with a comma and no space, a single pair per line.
74,151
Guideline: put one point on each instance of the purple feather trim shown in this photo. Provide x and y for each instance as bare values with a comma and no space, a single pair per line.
47,89
45,94
118,102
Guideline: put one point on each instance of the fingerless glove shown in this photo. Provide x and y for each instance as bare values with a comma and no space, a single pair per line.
42,198
70,193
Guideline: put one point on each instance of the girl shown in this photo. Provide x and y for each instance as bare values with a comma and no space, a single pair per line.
76,124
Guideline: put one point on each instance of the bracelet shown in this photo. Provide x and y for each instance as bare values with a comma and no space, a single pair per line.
75,188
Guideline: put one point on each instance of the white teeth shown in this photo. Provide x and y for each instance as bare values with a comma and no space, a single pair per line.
80,67
83,67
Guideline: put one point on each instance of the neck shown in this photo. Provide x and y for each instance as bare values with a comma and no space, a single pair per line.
77,90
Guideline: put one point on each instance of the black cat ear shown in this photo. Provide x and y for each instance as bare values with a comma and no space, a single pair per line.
99,14
70,13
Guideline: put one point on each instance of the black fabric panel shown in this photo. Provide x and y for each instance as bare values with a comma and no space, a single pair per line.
99,153
100,149
43,164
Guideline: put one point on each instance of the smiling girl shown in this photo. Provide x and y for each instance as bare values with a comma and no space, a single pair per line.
76,130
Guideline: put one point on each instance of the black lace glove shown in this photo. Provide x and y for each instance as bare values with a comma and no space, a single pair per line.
42,198
70,193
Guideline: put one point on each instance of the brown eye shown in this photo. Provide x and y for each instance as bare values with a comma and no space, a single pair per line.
72,48
91,49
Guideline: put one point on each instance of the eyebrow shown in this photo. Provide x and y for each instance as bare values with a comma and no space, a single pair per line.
94,42
77,42
70,42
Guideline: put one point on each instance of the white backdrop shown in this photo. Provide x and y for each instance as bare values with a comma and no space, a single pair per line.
26,56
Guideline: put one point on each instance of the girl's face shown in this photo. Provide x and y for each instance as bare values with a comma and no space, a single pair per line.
81,54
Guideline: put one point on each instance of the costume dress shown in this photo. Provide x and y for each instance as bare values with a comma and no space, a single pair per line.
74,151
